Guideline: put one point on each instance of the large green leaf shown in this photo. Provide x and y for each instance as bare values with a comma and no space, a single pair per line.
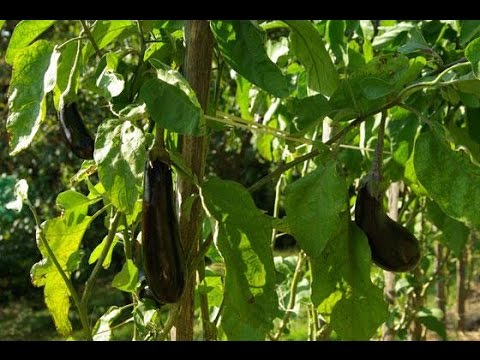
310,49
449,177
373,85
242,235
313,205
68,71
308,111
242,46
171,108
64,236
472,53
104,32
1,23
25,32
401,130
455,234
342,289
468,30
34,75
120,155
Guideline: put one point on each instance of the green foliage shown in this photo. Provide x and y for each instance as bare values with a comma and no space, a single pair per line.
342,289
294,83
33,77
242,47
242,236
313,205
439,170
121,155
309,47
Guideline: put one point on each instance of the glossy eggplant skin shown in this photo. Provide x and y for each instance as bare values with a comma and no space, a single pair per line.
76,134
163,257
393,247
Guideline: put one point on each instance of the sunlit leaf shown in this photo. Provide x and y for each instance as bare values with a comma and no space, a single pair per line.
242,234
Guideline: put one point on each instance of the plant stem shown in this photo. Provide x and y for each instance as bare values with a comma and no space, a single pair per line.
78,38
71,289
293,294
91,38
93,276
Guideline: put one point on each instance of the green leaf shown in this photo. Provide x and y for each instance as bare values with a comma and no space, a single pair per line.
126,280
33,76
25,32
73,201
308,111
242,46
1,23
313,205
472,53
68,72
468,29
309,48
21,195
64,239
391,33
120,155
449,177
455,234
104,32
342,289
432,321
99,249
171,108
401,130
415,42
473,123
102,331
371,86
411,178
242,97
461,137
243,234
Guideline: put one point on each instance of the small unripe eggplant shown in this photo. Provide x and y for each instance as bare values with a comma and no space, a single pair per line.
393,247
163,256
76,134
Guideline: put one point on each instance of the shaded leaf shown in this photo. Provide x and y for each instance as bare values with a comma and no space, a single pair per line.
307,112
242,234
401,129
455,234
468,30
120,155
449,177
472,53
313,205
242,46
342,289
309,48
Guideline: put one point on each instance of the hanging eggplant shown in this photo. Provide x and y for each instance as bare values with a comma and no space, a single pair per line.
163,256
76,134
393,247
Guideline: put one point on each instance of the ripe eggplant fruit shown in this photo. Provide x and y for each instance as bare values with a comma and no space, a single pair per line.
78,138
163,256
393,247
